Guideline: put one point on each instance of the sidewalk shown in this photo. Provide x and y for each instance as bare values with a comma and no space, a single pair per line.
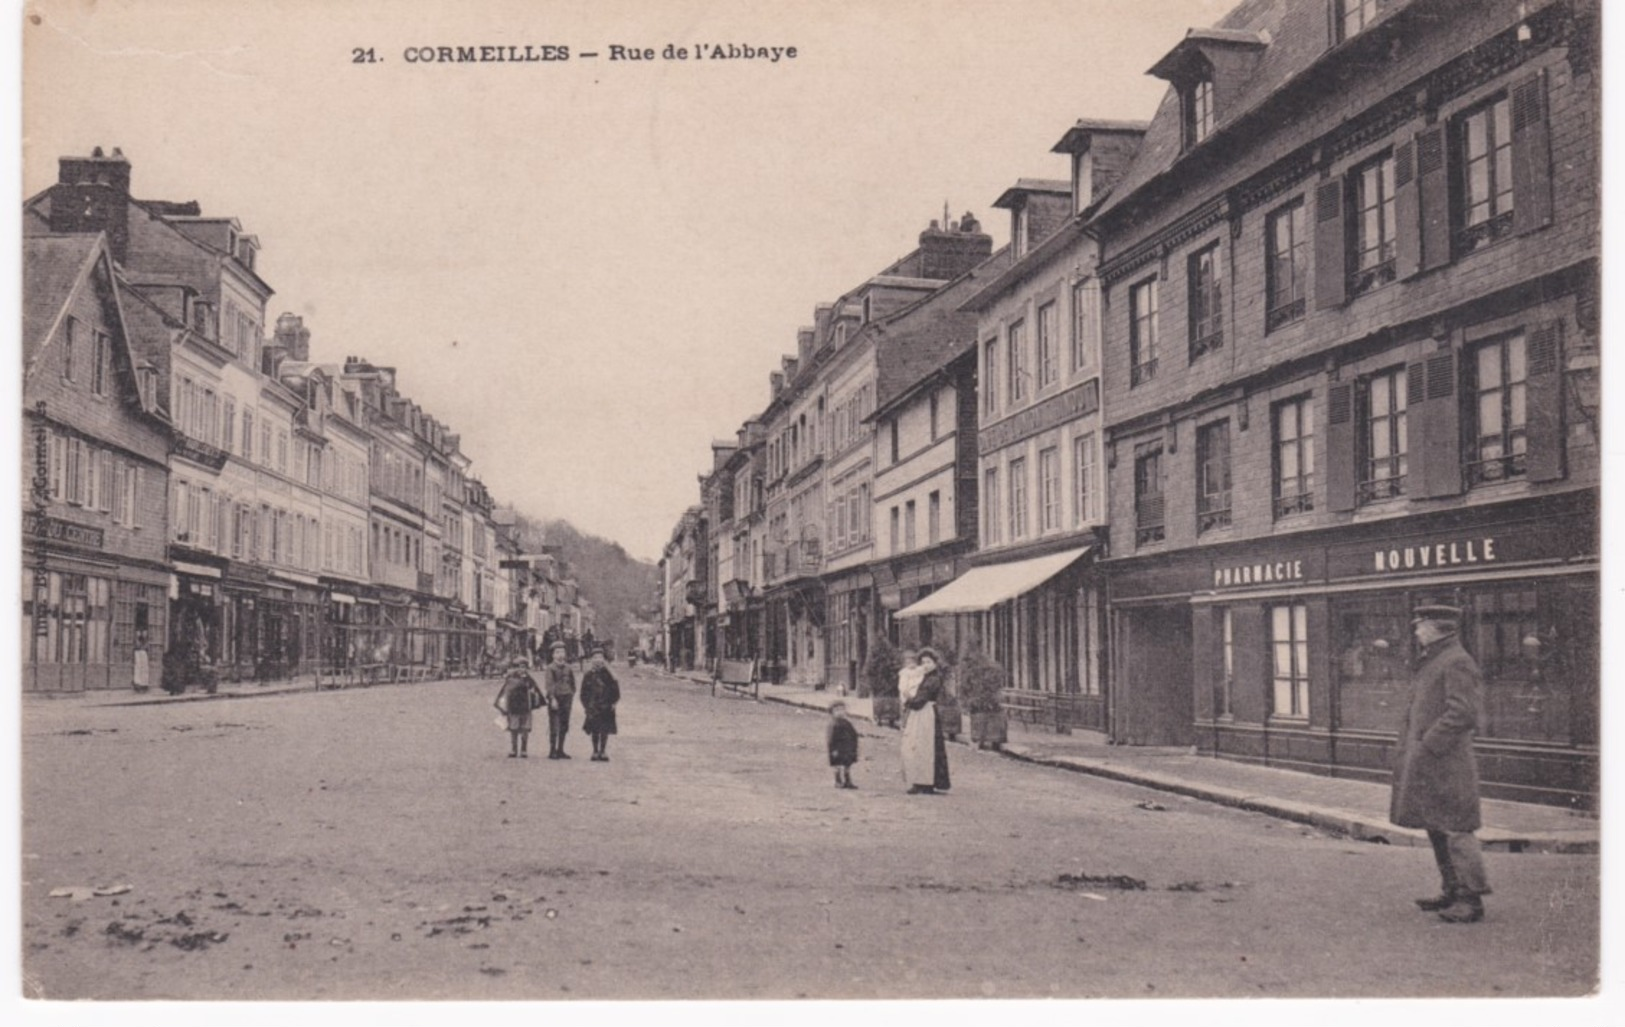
1358,809
226,690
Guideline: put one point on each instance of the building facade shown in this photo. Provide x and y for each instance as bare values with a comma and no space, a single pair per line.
1351,339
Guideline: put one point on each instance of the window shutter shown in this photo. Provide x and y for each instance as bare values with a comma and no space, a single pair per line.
1209,662
1531,156
1331,277
1435,435
1433,197
1544,425
1341,477
1407,212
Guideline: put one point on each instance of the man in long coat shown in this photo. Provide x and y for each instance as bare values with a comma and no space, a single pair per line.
1435,773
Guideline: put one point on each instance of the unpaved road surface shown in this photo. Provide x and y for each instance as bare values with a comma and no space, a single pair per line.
378,844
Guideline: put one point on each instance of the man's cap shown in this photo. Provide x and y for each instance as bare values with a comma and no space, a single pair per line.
1436,611
597,650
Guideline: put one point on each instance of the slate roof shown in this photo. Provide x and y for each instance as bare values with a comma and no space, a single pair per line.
918,341
53,266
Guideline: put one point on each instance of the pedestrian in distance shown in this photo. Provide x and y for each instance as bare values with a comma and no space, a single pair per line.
841,739
561,693
599,694
515,701
925,754
1435,772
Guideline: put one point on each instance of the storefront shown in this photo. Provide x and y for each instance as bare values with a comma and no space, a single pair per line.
850,599
1297,650
85,616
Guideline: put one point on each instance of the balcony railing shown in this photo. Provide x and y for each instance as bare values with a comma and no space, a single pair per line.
1378,489
1213,511
795,560
1369,278
1495,469
1139,374
1284,314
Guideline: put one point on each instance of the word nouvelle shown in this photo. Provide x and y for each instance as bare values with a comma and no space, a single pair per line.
704,52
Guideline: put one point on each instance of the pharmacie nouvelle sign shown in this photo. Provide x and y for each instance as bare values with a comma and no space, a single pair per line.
1455,554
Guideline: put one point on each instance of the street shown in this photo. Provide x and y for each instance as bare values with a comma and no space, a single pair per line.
379,844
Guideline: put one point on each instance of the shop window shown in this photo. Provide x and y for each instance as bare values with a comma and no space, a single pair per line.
1142,332
1286,266
1224,685
1483,189
1213,476
1289,664
1527,692
1149,508
1499,437
1206,301
1383,438
1294,457
1049,357
1372,645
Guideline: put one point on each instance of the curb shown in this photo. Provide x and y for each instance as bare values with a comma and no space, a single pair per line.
188,697
1346,823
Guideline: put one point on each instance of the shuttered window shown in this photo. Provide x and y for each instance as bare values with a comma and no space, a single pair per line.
1286,265
1484,164
1383,437
1500,410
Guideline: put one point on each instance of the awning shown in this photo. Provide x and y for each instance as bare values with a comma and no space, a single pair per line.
196,569
982,588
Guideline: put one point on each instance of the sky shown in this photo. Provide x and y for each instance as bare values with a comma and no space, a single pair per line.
587,267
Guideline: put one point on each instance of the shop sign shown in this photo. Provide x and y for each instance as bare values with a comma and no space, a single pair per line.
198,452
42,597
1269,573
1434,555
1068,406
42,460
56,530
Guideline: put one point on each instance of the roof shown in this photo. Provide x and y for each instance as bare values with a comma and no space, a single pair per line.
1076,139
1027,186
53,266
919,340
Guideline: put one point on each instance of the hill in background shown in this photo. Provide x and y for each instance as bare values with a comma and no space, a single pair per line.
621,587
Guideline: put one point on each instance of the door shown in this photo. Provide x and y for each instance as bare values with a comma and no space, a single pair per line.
1154,701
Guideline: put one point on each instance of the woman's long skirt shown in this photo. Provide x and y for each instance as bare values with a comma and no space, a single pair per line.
925,755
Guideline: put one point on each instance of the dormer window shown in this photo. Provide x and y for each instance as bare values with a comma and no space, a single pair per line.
1021,230
1354,17
1197,103
203,318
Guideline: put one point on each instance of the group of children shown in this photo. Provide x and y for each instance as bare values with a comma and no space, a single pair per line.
520,695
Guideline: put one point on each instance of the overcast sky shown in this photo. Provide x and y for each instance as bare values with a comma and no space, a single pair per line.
587,267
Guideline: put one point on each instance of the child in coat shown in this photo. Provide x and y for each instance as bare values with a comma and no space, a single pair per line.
518,696
841,738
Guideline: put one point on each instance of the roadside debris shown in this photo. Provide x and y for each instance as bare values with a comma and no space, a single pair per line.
1119,882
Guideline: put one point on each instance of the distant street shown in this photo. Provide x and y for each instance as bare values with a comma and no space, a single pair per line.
378,844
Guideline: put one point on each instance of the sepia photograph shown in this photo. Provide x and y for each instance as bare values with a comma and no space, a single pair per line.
712,501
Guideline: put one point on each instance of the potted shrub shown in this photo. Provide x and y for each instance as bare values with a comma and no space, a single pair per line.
981,682
880,676
948,707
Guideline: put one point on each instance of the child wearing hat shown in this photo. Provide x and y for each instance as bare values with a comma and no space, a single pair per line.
517,697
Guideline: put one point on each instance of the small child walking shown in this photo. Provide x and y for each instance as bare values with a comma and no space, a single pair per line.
841,738
519,695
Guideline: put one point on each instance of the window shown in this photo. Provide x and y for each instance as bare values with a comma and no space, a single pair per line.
910,539
70,331
78,466
1198,104
1224,685
1499,441
228,425
1294,457
1206,301
896,530
265,443
1286,264
990,375
282,451
1018,498
1049,489
1213,476
1049,357
1142,332
100,361
1375,225
129,485
990,504
896,441
1484,156
933,518
1353,16
934,428
1382,436
1085,324
1289,647
1149,509
1083,468
1018,361
248,434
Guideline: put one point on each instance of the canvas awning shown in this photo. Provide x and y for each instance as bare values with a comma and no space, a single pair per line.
982,588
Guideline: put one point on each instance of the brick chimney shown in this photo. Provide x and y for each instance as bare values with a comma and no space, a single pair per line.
92,194
946,252
293,337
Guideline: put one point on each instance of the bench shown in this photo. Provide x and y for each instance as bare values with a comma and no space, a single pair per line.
1060,713
737,676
